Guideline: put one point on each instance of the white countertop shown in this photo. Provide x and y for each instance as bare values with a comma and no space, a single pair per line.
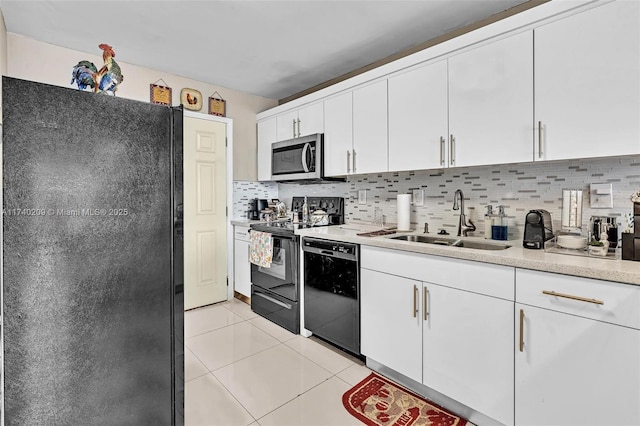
623,271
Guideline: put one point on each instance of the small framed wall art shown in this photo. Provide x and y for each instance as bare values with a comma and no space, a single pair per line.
191,99
217,105
160,94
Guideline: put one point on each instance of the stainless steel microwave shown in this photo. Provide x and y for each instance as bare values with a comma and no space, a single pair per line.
297,159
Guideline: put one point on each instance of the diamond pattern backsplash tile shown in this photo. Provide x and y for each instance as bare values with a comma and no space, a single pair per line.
519,187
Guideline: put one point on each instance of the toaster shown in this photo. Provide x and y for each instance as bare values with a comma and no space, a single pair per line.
537,229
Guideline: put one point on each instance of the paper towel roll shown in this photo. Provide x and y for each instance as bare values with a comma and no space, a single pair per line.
404,212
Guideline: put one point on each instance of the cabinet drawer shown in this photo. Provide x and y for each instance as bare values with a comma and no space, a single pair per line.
607,301
241,232
478,277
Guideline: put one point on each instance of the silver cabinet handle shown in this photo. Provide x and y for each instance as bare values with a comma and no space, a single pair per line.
521,343
425,303
294,127
415,300
441,151
572,297
298,127
348,161
539,139
354,161
452,150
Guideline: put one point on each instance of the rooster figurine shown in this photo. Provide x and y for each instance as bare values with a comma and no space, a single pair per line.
83,74
106,79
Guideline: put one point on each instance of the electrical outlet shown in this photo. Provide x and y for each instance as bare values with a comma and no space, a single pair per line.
418,197
362,196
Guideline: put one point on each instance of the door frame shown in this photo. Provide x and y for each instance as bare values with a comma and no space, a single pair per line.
229,188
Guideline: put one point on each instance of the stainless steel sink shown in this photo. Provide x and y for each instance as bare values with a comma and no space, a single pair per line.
453,242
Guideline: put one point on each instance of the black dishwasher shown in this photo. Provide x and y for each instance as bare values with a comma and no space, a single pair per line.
332,292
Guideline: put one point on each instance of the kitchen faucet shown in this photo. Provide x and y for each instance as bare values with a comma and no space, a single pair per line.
463,226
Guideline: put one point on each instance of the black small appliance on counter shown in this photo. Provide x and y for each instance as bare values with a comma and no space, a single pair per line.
537,229
256,205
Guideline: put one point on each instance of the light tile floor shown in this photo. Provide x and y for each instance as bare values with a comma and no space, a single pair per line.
241,369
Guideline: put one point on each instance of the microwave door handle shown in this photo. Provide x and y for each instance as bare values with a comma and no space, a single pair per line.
305,166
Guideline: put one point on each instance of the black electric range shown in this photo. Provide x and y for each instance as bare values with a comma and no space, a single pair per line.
275,290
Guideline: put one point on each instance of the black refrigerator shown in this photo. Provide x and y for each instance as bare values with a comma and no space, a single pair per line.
92,259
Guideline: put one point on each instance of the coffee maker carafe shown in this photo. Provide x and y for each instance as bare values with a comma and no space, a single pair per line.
607,224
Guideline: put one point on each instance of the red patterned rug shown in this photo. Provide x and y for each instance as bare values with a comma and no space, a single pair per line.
378,402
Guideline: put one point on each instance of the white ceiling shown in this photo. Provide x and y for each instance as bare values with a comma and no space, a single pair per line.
267,48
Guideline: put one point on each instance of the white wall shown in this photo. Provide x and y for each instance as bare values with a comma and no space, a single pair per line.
34,60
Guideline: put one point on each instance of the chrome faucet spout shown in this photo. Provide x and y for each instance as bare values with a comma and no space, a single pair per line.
463,226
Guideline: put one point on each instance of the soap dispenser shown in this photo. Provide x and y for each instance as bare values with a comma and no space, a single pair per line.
488,222
499,229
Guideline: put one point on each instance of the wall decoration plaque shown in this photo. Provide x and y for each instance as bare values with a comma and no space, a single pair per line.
191,99
160,94
217,105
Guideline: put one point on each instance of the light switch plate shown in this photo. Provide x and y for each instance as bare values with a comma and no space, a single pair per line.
601,196
418,197
362,196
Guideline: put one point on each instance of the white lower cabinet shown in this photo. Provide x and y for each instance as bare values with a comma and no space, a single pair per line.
391,330
467,349
241,265
455,341
577,360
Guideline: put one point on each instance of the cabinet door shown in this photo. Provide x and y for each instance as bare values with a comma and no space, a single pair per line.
390,327
467,349
491,103
370,129
575,371
311,119
338,135
266,136
241,268
287,127
587,89
418,114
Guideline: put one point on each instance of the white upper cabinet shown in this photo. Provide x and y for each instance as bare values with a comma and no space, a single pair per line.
266,136
587,84
338,135
491,103
301,122
418,120
370,153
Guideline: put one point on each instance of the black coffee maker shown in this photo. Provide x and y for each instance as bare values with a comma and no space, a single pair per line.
537,229
256,205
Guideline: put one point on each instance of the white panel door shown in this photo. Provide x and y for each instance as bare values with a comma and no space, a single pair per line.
266,136
491,103
418,119
575,371
205,254
338,134
311,119
468,349
587,88
370,129
390,323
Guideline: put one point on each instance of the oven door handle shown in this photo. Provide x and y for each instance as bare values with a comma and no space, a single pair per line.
272,300
305,166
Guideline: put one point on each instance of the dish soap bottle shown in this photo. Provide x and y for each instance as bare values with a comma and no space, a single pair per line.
499,229
488,221
305,211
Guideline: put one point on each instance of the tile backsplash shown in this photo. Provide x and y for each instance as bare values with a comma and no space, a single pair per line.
519,187
243,191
